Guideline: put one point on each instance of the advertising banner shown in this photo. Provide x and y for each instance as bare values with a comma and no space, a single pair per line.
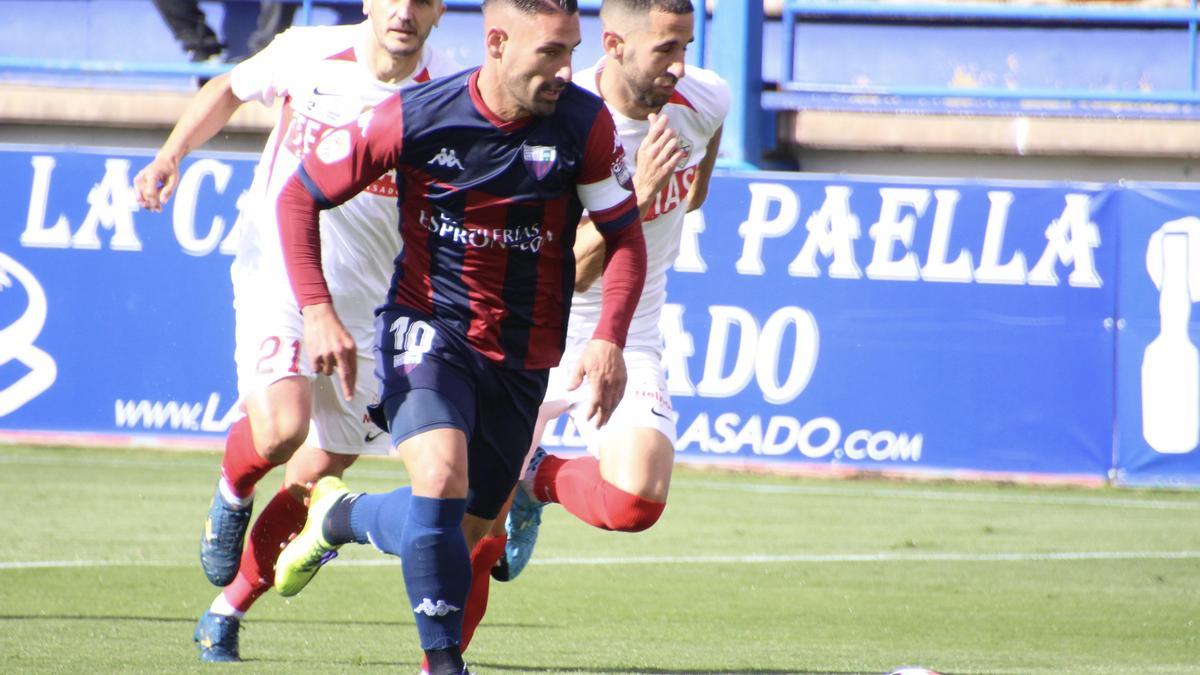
117,322
1158,368
904,325
830,323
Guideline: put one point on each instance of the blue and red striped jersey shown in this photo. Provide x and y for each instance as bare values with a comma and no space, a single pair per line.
488,208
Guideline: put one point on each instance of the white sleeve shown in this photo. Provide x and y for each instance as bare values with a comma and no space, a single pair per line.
714,100
262,76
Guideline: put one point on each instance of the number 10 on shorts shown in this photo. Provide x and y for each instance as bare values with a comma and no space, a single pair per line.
411,340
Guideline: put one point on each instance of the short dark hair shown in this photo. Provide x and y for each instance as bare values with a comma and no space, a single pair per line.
538,6
647,6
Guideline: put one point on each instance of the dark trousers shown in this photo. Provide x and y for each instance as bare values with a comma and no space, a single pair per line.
187,23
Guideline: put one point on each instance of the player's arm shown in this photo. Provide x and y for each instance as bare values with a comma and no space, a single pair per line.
205,115
606,192
699,191
345,161
657,158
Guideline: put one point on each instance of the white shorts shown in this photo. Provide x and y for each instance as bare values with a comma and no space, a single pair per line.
646,403
269,346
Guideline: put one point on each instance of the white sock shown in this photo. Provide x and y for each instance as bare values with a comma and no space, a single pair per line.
221,606
229,497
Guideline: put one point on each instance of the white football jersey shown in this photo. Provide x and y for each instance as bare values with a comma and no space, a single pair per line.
695,111
324,84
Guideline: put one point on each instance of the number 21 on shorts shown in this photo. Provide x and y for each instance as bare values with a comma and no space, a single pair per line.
411,340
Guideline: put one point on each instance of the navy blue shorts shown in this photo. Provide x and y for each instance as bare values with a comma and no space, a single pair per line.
431,378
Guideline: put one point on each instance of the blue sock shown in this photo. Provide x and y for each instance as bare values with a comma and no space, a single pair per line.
379,519
437,569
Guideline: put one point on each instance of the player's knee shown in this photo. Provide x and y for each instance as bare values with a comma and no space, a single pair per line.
281,443
629,513
277,438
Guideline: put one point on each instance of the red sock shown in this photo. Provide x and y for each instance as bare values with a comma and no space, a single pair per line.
485,555
282,517
242,466
577,485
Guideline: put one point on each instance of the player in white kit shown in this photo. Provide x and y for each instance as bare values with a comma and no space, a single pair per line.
326,77
671,127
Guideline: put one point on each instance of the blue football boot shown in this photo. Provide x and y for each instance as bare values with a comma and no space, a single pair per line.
217,638
524,519
221,543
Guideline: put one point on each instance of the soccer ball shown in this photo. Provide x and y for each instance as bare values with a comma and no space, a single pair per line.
912,670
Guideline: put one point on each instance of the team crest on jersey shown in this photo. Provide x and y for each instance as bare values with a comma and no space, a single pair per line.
621,173
540,159
334,147
685,144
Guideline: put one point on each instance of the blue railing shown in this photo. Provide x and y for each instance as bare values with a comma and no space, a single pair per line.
1062,16
183,68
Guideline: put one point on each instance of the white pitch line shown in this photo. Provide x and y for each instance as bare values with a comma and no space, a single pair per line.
817,558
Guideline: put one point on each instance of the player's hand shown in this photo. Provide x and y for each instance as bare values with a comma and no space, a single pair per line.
657,158
330,346
603,364
156,183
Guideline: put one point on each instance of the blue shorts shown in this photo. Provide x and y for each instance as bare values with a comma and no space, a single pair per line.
431,378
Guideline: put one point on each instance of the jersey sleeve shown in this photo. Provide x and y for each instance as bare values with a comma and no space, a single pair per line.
262,76
713,100
605,185
345,161
606,191
349,158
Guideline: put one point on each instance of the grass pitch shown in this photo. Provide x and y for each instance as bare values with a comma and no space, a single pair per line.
744,574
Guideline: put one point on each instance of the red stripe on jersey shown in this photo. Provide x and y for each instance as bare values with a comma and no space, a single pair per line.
483,271
549,307
602,151
347,55
679,99
422,76
413,289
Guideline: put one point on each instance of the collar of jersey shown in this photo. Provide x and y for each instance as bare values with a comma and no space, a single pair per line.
477,99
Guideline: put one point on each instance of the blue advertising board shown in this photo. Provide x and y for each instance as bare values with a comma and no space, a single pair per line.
119,321
1158,403
832,323
895,324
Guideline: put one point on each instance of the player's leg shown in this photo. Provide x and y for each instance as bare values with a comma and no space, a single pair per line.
280,519
626,489
523,512
276,423
495,463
